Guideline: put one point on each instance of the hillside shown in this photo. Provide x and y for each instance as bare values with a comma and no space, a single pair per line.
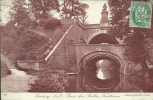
20,43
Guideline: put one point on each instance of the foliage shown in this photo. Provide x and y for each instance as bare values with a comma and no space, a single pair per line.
49,82
149,49
73,8
30,43
17,43
41,22
18,11
51,24
20,45
83,18
42,8
26,22
139,78
33,24
136,41
134,38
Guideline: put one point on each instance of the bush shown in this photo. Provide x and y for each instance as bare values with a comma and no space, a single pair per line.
140,79
22,45
34,24
51,24
49,82
30,43
41,22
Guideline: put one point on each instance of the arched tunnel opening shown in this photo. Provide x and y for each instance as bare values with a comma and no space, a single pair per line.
102,72
102,39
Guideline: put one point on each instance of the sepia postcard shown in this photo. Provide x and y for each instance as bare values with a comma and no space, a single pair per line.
76,49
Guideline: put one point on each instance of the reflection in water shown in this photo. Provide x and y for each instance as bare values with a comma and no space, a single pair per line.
78,83
106,69
83,82
99,72
102,75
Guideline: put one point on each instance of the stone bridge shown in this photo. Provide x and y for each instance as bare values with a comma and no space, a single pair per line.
86,53
77,45
80,42
83,48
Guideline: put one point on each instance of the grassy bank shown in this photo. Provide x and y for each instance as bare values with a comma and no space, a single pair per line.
20,43
140,78
48,81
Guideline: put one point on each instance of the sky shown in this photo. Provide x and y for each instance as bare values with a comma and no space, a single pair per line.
93,12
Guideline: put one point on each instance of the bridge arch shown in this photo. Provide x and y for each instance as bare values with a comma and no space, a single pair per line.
89,60
104,54
102,38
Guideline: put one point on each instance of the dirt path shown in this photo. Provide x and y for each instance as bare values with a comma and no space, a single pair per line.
18,81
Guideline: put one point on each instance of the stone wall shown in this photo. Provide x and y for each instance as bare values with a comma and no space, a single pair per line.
63,55
92,30
83,50
115,50
30,64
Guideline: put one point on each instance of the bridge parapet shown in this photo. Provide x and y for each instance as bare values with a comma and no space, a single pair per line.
86,51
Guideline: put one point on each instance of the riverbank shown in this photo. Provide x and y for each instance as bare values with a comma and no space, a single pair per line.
17,81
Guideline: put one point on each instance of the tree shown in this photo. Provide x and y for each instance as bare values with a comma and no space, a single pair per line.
134,38
83,18
73,8
18,11
43,8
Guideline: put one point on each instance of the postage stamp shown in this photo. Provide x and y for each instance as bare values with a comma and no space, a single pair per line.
151,1
140,14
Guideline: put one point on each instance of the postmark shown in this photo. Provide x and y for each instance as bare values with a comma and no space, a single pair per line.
140,14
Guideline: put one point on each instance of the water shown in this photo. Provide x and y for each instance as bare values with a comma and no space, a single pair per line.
84,83
101,76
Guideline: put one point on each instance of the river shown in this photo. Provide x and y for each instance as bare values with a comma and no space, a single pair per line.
102,75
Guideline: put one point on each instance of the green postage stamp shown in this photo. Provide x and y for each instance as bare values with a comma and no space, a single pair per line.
151,1
140,14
